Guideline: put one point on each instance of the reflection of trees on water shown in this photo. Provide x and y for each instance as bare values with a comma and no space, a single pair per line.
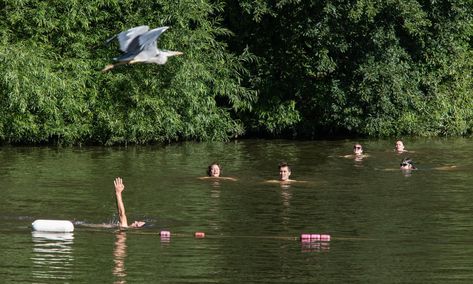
119,255
52,256
215,206
286,196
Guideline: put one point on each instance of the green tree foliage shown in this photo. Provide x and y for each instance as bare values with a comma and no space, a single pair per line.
52,90
309,68
362,67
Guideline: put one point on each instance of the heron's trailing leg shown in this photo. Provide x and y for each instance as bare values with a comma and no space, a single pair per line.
108,67
111,66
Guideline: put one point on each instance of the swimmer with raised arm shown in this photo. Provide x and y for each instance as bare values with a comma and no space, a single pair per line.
119,188
214,171
123,221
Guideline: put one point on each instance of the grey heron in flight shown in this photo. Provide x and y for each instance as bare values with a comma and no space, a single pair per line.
139,45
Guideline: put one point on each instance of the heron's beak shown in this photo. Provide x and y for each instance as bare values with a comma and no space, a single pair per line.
175,53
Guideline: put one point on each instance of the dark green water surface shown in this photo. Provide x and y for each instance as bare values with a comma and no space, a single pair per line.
387,226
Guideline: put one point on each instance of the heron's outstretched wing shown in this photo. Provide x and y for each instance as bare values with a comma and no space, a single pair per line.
148,45
129,39
140,45
151,37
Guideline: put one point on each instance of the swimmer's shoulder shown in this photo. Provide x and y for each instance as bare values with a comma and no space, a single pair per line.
446,168
352,156
228,178
218,178
285,181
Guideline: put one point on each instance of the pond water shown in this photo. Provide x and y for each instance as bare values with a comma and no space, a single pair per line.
386,225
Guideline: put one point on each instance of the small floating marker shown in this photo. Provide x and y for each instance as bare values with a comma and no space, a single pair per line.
199,235
165,234
305,237
325,238
315,238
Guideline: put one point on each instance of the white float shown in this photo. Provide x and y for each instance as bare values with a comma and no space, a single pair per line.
61,226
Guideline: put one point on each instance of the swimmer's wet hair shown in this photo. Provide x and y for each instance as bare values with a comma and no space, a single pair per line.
284,164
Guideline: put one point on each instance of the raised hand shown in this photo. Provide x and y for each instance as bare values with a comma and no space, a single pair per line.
119,186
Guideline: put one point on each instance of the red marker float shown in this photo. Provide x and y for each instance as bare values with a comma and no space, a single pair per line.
199,235
165,234
325,238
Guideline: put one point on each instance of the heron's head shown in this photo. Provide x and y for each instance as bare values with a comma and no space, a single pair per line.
173,53
162,56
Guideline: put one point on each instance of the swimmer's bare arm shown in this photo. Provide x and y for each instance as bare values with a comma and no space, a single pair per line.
218,178
285,181
230,178
119,188
446,168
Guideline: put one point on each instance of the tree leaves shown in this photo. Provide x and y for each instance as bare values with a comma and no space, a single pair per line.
292,67
367,67
52,90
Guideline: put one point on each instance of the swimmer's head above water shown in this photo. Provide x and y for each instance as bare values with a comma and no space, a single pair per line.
407,164
214,170
399,146
284,171
357,149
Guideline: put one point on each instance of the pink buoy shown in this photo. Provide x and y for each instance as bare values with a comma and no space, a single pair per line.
325,238
165,234
199,234
315,237
305,236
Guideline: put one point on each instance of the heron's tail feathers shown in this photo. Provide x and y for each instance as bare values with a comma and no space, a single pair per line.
107,42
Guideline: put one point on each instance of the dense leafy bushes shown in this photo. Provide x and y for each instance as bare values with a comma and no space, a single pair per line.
306,68
361,67
52,90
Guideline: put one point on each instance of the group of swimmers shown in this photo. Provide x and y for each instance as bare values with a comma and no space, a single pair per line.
214,171
406,163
